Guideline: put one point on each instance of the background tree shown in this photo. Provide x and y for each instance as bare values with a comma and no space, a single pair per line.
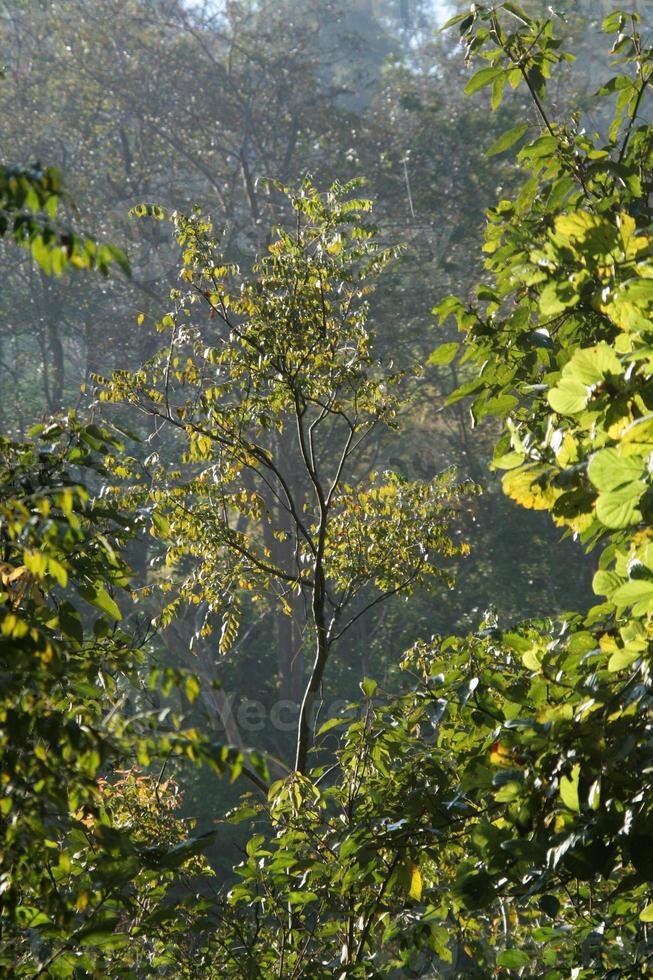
165,98
275,385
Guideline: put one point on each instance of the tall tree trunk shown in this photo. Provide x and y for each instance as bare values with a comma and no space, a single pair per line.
304,731
54,379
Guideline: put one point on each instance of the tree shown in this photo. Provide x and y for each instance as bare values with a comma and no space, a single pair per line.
522,831
274,385
172,103
30,199
92,861
68,872
31,204
561,332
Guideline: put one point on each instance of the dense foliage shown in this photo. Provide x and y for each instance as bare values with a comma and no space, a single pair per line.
69,867
485,809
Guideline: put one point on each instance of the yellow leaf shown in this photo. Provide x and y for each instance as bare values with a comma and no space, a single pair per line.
522,486
578,524
193,688
500,755
608,644
82,901
633,244
9,574
335,246
566,451
416,883
579,225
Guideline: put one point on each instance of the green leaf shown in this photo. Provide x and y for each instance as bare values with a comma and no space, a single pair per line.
330,724
569,396
501,405
368,687
544,146
299,899
477,890
454,20
637,593
646,915
556,297
516,642
613,22
70,622
464,390
609,470
516,11
498,87
30,917
508,461
594,794
513,959
444,354
583,226
508,792
592,364
606,583
569,789
482,78
639,432
58,571
531,661
104,940
450,305
507,139
622,659
619,508
98,596
550,905
636,291
528,486
106,926
580,376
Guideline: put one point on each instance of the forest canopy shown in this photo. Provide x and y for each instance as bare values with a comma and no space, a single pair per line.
326,563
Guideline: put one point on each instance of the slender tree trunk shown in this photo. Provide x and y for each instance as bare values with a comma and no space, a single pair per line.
304,731
288,628
53,347
58,369
3,425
